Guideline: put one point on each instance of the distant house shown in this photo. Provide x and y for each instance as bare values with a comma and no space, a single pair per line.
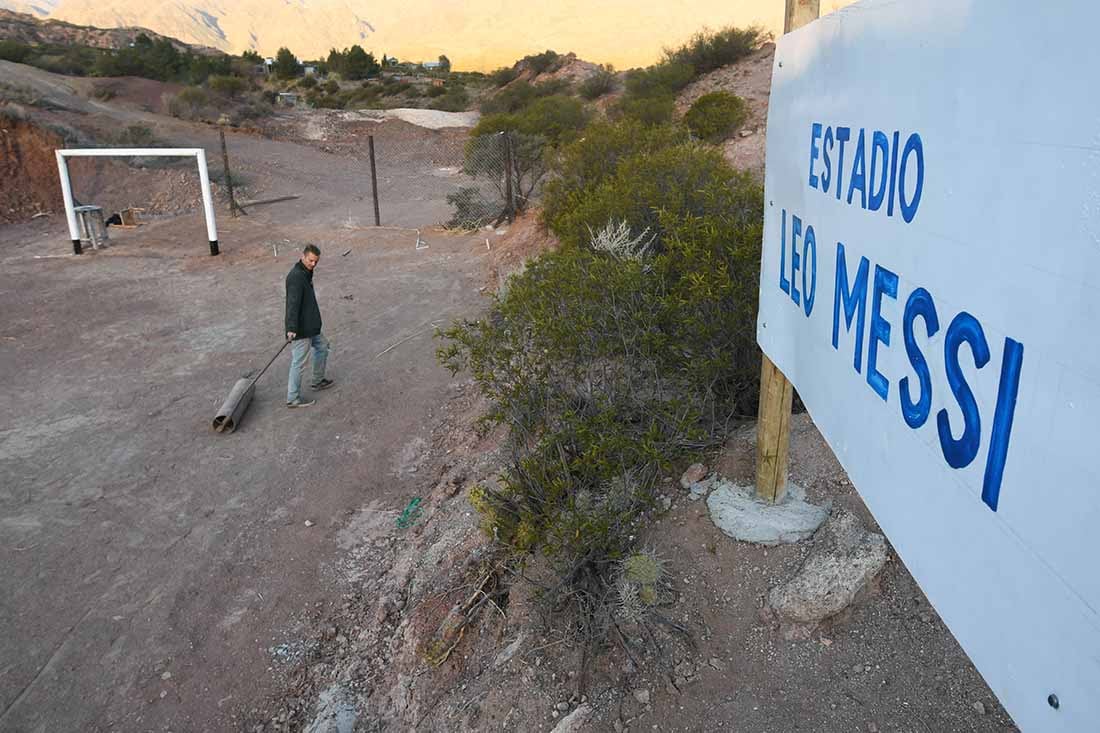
288,99
432,65
437,82
310,70
269,64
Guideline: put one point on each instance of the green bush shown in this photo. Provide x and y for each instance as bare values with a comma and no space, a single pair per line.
227,86
136,136
435,91
503,76
307,82
558,119
654,110
331,87
522,94
600,83
608,368
587,163
547,61
392,88
14,51
456,99
652,191
715,116
710,50
191,103
660,80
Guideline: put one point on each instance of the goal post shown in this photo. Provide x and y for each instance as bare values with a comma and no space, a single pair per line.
197,153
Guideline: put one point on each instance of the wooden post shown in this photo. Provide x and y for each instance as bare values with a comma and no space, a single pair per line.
234,207
374,181
799,13
773,426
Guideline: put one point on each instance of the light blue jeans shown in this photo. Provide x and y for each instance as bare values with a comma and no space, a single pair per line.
299,351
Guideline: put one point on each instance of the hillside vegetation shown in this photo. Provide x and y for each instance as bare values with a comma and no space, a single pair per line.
631,347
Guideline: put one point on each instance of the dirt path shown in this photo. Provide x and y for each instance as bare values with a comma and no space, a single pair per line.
150,565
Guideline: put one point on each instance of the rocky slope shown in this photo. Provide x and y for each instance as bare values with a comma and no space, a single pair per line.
27,28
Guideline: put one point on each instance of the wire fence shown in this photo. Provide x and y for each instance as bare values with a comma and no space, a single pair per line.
457,180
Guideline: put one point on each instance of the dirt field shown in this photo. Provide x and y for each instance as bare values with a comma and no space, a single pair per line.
150,565
159,577
147,560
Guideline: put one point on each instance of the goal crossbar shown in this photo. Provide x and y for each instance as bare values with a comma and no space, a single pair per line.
197,153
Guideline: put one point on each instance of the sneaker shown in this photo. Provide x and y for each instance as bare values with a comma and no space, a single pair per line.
324,384
300,403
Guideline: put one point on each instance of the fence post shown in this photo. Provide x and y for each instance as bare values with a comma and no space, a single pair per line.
773,425
234,208
509,168
374,181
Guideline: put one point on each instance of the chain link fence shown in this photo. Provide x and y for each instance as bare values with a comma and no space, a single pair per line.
453,179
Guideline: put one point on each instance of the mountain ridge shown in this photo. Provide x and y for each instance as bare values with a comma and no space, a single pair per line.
478,35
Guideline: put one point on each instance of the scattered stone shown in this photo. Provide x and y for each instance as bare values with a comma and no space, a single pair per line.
979,708
745,133
575,721
642,696
309,523
685,669
563,706
664,503
163,694
844,562
716,663
680,682
700,489
618,726
509,651
858,669
695,473
736,511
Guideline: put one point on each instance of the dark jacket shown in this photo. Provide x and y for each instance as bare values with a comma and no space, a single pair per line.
303,317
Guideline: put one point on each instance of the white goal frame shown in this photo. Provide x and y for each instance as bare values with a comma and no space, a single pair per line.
197,153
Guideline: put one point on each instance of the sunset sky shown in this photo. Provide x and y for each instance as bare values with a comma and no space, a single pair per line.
475,34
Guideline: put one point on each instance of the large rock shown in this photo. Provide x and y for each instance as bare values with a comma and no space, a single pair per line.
845,561
736,511
575,721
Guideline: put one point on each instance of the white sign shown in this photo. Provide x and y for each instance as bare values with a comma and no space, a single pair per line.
930,286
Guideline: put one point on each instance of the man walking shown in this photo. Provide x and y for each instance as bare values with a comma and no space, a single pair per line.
303,327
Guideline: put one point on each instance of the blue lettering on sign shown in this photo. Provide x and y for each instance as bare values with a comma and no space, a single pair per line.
890,176
784,284
796,232
815,135
858,179
809,264
1009,386
868,173
854,299
880,150
963,329
919,304
886,283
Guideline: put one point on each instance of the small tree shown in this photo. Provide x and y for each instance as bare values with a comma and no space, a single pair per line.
286,64
445,64
358,64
